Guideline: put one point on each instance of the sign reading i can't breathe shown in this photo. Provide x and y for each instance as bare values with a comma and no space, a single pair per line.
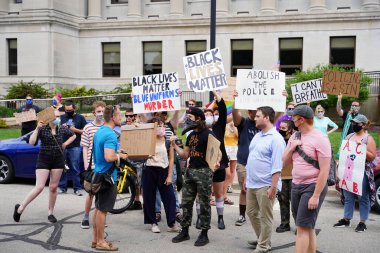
155,93
260,88
205,71
307,91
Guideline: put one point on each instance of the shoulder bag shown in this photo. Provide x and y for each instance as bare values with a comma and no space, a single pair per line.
66,167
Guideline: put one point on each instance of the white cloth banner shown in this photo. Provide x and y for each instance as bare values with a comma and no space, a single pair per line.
351,166
205,71
156,93
260,88
307,91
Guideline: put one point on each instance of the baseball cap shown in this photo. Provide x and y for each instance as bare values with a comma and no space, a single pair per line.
196,112
360,118
304,111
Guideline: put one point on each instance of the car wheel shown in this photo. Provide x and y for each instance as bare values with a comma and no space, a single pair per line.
377,196
6,170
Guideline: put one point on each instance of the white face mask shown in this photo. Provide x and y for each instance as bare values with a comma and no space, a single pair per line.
216,117
209,121
320,114
99,116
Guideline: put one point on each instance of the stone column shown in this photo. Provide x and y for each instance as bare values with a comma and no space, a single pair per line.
134,8
222,7
176,7
268,6
317,5
4,7
370,4
94,9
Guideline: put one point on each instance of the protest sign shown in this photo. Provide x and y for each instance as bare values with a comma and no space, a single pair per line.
228,93
212,152
25,116
156,93
260,88
139,141
46,115
345,83
205,71
351,166
304,92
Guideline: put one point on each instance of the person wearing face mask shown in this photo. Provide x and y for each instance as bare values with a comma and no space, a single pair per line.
347,116
158,175
287,116
87,139
50,164
322,123
75,123
360,125
57,104
29,126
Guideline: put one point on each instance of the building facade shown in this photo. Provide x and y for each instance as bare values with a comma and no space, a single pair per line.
103,43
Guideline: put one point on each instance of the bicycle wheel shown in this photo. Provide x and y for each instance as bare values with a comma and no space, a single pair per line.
125,198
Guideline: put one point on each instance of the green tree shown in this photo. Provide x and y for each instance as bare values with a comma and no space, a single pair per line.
21,89
317,72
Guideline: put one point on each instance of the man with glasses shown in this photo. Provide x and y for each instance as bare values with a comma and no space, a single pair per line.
347,116
287,116
130,117
29,126
192,103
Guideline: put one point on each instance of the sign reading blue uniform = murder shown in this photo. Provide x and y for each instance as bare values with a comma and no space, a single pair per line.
308,91
205,71
155,93
258,88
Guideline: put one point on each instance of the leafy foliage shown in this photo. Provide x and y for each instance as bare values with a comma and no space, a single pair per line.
3,124
317,72
21,89
6,112
122,88
77,92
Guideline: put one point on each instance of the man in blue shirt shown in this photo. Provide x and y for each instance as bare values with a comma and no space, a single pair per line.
264,167
105,155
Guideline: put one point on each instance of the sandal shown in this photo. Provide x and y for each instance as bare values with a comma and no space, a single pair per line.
106,247
93,244
227,201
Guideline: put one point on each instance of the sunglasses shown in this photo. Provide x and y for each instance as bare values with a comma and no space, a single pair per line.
290,109
320,112
131,116
191,104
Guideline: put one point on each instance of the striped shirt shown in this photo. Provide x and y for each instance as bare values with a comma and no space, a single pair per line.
88,137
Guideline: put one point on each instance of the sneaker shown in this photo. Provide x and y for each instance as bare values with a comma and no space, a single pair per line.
240,221
52,218
61,191
85,224
361,227
155,228
283,228
229,189
342,223
78,193
174,229
136,206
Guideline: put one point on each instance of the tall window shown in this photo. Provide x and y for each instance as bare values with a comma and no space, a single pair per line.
241,55
119,1
159,1
342,51
152,57
111,59
195,46
12,56
290,55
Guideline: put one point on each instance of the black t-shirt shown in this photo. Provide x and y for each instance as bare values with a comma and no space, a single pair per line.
247,130
197,143
77,121
345,114
219,130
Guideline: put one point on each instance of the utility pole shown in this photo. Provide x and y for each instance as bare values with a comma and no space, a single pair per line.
212,32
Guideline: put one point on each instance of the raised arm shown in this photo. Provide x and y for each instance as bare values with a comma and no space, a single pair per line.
339,109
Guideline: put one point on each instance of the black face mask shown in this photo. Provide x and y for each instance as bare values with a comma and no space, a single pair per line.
283,133
357,128
70,114
189,125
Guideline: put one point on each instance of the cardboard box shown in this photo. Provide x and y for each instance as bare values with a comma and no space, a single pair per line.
213,152
46,115
139,141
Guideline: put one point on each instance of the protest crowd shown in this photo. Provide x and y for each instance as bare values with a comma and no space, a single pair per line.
273,150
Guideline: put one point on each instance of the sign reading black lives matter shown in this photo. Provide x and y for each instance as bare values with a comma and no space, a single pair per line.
308,91
260,88
156,93
205,71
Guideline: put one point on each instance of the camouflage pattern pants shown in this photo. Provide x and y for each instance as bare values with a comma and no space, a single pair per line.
284,200
197,182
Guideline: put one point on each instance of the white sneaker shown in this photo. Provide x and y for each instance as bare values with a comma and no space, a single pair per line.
155,228
174,229
229,189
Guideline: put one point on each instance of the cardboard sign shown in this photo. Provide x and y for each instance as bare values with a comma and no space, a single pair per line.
307,91
205,71
351,166
228,93
260,88
345,83
139,141
155,93
212,153
25,116
46,115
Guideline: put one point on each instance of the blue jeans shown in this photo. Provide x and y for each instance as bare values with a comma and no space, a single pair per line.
72,156
364,202
158,196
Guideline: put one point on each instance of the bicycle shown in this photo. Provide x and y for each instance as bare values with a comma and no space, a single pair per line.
126,187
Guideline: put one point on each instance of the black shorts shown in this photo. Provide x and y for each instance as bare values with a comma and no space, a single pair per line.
105,199
303,216
219,175
48,162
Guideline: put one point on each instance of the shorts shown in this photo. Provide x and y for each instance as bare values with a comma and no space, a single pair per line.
241,174
48,162
303,216
105,199
232,152
219,175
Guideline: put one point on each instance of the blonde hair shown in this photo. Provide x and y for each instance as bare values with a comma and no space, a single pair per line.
318,108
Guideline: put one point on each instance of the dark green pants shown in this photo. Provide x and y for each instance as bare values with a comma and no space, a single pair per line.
284,200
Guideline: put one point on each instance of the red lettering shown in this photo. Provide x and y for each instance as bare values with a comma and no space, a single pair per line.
150,106
159,106
345,184
347,146
358,152
164,104
170,104
355,187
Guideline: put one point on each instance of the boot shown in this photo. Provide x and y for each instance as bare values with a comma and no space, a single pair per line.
202,239
221,222
198,223
182,236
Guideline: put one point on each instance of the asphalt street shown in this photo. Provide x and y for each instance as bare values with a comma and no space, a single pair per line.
35,234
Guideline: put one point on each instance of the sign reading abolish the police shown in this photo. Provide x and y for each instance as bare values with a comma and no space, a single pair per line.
307,91
205,71
155,93
345,83
260,88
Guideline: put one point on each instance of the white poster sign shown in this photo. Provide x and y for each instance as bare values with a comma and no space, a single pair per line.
308,91
260,88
